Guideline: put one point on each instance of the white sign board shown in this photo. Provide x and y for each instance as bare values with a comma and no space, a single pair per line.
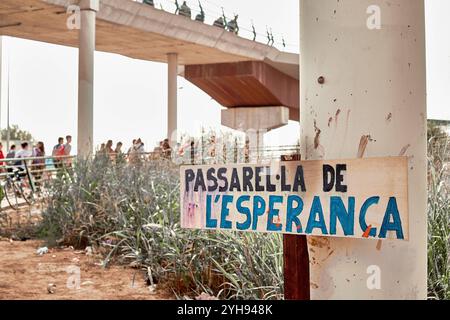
363,198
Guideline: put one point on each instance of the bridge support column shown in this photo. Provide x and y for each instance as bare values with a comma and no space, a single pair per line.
363,84
255,122
172,98
2,71
88,12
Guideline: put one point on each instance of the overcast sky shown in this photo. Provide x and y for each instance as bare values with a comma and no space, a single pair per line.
130,95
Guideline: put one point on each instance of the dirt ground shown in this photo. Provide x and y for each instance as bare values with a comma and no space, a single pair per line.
69,274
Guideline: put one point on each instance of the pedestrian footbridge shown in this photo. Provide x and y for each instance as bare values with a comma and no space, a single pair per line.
235,71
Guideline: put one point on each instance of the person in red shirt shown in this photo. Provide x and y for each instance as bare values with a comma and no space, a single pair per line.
57,152
2,156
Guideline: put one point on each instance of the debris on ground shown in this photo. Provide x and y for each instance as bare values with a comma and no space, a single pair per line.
89,251
42,251
135,265
152,289
51,288
76,260
25,275
206,297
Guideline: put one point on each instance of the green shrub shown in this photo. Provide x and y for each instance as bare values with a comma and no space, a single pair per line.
438,214
132,215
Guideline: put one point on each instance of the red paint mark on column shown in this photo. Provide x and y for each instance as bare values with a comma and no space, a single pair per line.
367,232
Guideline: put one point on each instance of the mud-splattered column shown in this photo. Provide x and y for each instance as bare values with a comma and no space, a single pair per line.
363,95
88,12
1,76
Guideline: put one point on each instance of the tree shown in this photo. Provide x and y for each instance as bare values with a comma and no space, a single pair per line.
16,134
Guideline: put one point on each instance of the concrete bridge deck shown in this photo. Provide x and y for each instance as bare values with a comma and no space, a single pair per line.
256,75
139,31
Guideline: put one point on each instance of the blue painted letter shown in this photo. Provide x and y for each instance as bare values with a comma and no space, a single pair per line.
224,223
316,210
293,213
244,210
346,218
271,226
210,222
259,208
362,215
396,224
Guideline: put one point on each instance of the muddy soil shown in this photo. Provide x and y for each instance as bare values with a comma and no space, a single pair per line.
66,274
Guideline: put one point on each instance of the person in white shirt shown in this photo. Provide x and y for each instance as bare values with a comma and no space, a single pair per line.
68,150
25,152
139,152
11,153
68,146
140,149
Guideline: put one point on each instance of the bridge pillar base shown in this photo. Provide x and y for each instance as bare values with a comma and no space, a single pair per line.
255,122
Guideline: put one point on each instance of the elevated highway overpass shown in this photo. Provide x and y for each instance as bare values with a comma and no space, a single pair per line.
235,71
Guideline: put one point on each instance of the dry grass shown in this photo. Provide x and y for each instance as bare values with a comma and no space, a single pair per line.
132,215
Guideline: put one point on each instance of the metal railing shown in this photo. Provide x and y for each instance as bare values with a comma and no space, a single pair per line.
22,180
216,154
200,150
42,166
28,176
210,11
47,167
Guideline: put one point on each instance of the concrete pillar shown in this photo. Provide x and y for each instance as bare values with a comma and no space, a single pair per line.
369,102
88,13
255,122
4,91
172,98
1,78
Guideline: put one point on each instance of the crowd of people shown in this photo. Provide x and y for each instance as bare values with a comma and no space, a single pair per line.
37,153
187,152
163,150
137,150
107,148
61,152
62,149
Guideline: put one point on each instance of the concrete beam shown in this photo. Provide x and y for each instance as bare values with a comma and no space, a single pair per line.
255,118
138,31
255,122
93,5
247,84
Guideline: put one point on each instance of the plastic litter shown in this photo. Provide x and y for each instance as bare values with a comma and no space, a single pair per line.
89,251
51,288
42,251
